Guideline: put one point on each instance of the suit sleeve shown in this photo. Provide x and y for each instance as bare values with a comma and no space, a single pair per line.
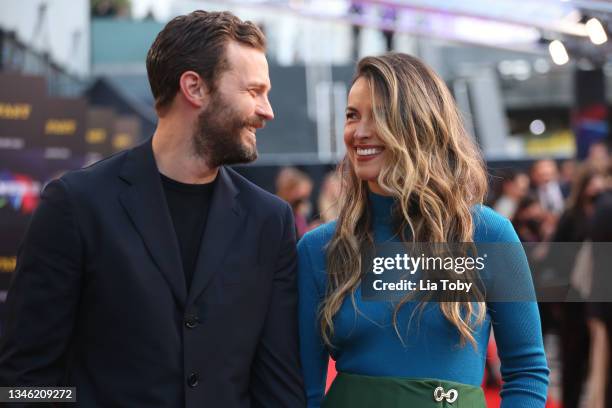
43,296
518,334
276,374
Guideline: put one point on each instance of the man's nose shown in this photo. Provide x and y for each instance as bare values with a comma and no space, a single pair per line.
264,109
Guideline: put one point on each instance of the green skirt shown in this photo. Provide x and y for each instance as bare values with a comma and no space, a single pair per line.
360,391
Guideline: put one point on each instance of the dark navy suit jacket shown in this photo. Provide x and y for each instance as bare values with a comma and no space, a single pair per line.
99,300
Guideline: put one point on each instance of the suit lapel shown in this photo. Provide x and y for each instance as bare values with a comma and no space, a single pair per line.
225,217
145,203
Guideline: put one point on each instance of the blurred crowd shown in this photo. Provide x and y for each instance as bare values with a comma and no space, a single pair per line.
296,186
548,201
567,202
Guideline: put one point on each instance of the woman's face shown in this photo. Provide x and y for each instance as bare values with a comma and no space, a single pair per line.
595,186
365,150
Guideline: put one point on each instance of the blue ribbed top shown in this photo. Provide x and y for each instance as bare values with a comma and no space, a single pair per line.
366,342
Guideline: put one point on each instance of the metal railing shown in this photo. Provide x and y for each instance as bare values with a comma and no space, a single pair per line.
16,56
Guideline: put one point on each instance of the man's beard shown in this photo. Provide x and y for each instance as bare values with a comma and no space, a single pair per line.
217,137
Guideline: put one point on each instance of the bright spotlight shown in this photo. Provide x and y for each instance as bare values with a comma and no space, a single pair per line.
537,127
596,32
558,52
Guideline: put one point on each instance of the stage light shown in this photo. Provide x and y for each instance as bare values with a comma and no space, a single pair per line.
558,52
596,32
537,127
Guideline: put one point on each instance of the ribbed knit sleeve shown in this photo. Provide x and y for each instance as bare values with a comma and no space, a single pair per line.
518,334
311,286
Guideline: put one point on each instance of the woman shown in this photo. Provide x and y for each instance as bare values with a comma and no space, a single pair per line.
411,173
514,187
578,329
532,222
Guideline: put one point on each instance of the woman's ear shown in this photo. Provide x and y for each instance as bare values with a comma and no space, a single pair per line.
193,88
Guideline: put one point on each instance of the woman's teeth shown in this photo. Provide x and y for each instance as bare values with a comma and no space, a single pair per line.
368,152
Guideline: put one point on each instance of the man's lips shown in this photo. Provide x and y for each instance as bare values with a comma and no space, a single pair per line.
252,131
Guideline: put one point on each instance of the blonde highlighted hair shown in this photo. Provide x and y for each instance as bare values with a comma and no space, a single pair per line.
433,170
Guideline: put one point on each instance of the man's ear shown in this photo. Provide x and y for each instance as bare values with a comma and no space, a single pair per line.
193,88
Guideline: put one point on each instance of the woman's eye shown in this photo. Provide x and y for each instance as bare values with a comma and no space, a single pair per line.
350,115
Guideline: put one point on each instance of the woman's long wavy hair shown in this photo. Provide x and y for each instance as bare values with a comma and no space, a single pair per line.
433,170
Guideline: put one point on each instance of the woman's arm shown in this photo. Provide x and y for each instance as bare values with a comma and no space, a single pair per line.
518,333
312,350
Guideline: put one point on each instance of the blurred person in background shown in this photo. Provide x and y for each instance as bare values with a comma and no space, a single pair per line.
534,225
599,155
531,222
545,185
514,186
295,187
329,197
566,176
412,174
575,226
574,223
159,277
599,310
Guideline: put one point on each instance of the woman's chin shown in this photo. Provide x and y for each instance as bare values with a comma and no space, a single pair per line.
368,177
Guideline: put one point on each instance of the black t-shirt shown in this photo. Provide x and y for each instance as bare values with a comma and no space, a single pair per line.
188,205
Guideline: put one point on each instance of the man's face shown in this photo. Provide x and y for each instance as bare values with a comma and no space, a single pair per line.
226,127
544,172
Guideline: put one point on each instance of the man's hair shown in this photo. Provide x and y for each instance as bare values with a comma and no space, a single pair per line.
196,42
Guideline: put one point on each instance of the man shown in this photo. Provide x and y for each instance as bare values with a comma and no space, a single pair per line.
545,182
158,277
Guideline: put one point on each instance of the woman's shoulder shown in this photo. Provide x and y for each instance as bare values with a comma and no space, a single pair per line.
312,246
318,237
311,255
490,226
